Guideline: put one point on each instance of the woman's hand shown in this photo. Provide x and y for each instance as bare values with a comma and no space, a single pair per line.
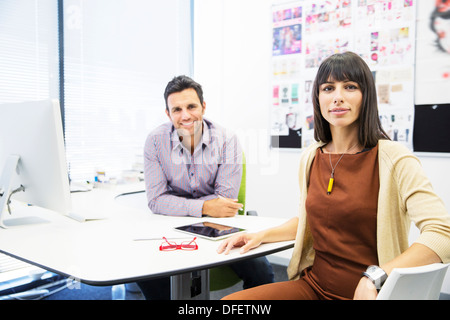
246,241
365,290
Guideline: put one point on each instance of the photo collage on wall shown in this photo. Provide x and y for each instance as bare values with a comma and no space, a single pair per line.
286,50
306,32
433,53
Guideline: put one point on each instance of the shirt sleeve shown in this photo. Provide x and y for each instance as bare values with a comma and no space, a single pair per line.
159,197
229,174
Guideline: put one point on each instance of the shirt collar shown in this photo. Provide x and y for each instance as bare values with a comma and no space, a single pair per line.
206,137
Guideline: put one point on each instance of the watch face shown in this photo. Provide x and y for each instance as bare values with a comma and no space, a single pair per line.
372,268
377,275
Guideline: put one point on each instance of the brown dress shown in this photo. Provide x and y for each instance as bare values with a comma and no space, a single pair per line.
343,226
343,223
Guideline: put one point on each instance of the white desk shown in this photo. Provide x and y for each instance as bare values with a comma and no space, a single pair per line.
105,252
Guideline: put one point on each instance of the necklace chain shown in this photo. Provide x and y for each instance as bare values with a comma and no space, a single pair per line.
331,181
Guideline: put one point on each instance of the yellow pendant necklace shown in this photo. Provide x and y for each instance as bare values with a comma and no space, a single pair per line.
331,181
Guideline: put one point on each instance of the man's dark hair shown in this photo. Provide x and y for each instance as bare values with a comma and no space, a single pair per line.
181,83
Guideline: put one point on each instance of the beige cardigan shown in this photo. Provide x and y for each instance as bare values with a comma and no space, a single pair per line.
405,195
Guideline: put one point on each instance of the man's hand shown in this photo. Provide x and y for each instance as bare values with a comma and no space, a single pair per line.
221,207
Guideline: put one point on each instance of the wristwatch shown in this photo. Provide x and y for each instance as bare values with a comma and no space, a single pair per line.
376,275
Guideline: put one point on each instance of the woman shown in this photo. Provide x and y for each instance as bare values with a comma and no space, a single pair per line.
358,193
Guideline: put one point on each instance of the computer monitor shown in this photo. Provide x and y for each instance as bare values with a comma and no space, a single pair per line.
32,160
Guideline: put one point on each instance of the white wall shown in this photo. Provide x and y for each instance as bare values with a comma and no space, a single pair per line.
232,62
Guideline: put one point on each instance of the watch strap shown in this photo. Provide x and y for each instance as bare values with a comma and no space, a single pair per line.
377,275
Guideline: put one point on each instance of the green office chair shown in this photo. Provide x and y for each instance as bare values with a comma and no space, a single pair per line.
224,277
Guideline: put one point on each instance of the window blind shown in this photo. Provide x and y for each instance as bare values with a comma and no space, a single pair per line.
118,57
29,50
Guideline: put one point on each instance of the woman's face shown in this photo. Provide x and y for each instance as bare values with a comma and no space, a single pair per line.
340,102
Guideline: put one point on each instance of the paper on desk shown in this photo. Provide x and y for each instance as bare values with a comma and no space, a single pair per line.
155,231
171,235
85,215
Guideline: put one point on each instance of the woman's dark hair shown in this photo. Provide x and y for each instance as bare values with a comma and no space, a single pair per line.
181,83
348,66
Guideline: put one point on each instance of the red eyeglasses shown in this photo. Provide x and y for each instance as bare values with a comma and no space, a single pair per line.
170,246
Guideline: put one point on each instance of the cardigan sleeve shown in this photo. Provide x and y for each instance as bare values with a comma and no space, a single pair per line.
423,206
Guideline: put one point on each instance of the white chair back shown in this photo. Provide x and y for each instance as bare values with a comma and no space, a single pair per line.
418,283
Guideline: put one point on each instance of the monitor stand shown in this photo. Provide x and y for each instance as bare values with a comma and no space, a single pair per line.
9,170
16,222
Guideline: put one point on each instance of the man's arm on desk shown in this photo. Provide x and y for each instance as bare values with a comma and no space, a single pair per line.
211,205
221,207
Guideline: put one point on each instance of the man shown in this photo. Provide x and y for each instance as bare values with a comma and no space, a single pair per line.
190,162
193,167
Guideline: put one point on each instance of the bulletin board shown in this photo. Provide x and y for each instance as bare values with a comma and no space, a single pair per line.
431,128
287,98
432,99
305,32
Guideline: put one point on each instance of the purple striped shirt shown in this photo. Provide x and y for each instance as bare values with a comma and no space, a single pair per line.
177,183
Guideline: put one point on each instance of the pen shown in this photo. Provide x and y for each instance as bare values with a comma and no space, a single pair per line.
240,209
160,238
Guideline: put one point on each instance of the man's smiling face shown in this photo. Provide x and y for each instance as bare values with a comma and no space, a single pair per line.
186,112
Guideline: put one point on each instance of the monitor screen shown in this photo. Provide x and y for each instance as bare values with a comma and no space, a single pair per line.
32,155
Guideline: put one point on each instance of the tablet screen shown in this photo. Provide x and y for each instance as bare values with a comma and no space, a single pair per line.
210,230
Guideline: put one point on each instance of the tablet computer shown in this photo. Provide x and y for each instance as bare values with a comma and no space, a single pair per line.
210,230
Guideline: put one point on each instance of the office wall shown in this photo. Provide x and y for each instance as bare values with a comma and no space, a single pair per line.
232,62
